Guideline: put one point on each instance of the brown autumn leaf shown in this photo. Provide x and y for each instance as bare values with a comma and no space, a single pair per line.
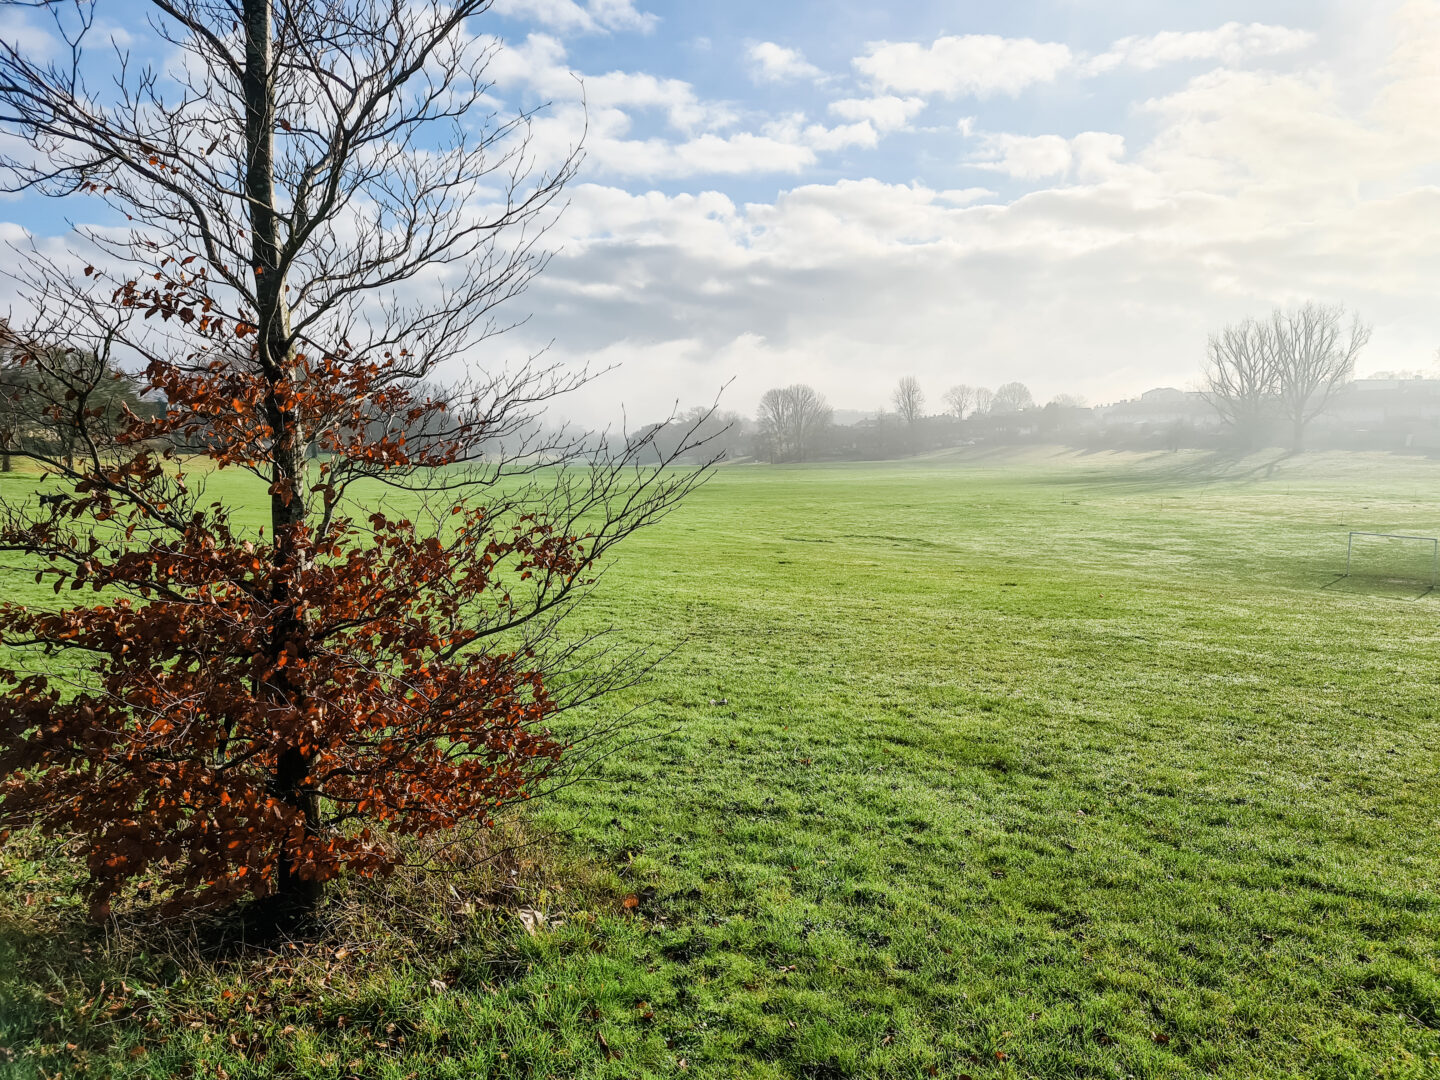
610,1052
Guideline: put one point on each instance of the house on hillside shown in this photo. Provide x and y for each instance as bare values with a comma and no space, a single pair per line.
1159,409
1384,414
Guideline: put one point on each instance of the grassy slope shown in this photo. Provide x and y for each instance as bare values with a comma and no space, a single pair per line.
1054,766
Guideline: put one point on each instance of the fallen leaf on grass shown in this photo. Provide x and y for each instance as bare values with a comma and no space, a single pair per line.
612,1054
532,920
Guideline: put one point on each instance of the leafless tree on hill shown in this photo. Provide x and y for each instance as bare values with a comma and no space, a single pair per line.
1289,365
909,400
1013,397
791,419
959,400
1241,377
1315,347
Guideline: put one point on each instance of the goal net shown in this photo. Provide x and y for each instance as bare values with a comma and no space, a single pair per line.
1393,559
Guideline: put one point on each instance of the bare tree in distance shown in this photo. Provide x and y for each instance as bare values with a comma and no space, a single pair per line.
1314,353
1240,377
959,400
699,433
324,212
984,400
909,400
1013,397
791,419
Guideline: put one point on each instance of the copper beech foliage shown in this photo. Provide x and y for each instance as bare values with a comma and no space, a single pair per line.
324,209
257,711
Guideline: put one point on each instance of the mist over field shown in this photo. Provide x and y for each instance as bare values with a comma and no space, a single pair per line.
814,541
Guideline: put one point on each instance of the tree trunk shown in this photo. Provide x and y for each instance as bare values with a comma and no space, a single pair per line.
276,363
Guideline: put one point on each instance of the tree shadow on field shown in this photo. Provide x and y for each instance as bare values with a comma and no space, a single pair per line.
77,997
1163,469
1379,587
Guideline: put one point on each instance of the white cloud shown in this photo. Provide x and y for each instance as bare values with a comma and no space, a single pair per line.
1254,189
540,63
567,16
621,15
978,65
707,145
1025,157
842,136
1232,44
775,63
40,42
887,113
622,89
1090,155
794,129
609,152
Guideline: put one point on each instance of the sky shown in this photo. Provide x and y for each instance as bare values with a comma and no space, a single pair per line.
1068,193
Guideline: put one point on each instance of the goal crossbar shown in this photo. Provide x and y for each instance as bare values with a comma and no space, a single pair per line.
1433,541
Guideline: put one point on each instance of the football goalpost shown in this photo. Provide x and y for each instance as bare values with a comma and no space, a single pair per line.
1393,557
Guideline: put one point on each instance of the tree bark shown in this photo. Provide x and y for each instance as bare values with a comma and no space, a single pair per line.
276,361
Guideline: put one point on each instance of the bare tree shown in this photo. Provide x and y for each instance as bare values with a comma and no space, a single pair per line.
325,211
1241,377
984,400
1013,397
52,400
791,418
1314,356
909,400
959,400
710,434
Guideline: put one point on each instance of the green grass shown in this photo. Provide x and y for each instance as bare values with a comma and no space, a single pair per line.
1039,765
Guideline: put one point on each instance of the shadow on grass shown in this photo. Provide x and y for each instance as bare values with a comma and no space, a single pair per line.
1390,588
80,999
1162,469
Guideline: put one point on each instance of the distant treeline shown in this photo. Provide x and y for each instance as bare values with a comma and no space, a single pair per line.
1284,380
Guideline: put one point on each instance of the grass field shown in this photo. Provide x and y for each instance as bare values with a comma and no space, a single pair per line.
1032,765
